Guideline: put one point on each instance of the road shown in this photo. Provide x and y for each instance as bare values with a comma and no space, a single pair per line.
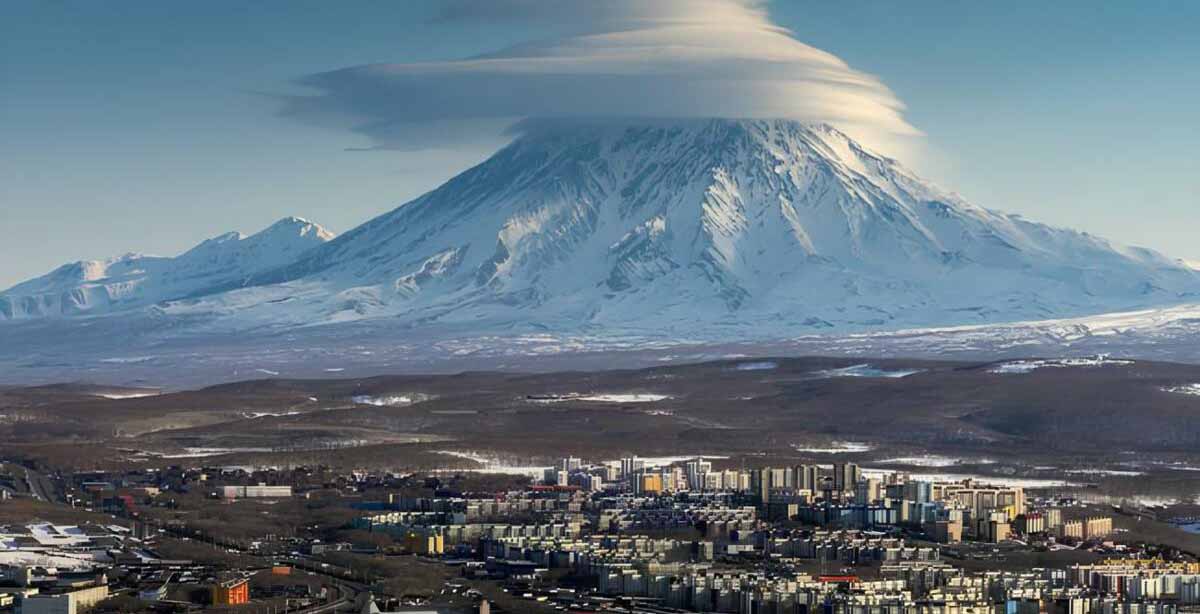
41,487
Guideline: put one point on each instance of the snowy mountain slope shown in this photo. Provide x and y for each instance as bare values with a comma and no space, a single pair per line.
766,227
135,280
696,229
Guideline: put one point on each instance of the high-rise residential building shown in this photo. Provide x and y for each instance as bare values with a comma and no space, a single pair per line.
1072,528
805,477
982,499
593,483
947,531
651,484
696,471
760,484
868,491
612,472
630,466
732,480
917,491
1054,518
1031,522
743,481
779,478
674,479
1097,527
845,476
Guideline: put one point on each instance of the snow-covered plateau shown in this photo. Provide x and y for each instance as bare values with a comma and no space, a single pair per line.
611,236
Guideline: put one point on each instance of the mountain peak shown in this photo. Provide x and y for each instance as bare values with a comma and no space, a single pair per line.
133,280
299,226
624,223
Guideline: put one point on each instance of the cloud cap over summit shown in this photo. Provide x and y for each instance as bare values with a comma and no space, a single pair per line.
614,58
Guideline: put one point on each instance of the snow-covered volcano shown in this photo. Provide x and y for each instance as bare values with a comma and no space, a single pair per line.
700,228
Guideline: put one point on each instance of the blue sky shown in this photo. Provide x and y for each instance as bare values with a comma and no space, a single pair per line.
150,126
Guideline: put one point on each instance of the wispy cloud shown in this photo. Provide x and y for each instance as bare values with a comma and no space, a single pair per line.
623,58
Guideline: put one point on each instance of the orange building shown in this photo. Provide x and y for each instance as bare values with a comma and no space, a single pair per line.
231,592
652,484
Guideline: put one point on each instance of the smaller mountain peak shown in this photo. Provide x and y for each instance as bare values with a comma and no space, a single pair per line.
232,235
297,225
292,220
217,243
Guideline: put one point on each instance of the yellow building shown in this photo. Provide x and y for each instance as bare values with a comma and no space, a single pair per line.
430,542
1154,564
652,483
1097,527
947,531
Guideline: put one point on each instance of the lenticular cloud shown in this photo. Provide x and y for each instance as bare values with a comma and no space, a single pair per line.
671,58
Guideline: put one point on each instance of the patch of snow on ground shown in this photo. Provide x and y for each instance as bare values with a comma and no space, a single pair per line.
1016,367
388,400
599,398
866,370
1151,501
1112,472
205,452
1188,389
935,460
491,465
252,415
625,398
765,365
129,360
127,395
837,447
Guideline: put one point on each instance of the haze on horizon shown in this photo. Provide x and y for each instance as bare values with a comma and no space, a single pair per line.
150,128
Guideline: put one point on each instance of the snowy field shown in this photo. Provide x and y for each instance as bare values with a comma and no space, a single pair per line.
629,397
1029,366
866,370
836,447
389,400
